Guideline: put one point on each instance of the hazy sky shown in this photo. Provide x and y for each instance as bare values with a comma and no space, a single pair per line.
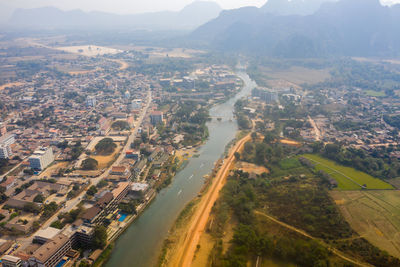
125,6
131,6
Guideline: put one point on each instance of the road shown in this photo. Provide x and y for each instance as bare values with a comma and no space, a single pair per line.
301,232
185,253
317,132
70,204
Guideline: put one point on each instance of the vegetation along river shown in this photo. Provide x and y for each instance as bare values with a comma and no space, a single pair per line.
140,244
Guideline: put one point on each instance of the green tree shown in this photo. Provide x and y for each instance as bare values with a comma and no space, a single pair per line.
99,237
89,164
92,190
39,198
106,146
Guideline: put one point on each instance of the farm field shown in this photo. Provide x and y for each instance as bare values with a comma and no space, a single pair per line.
374,215
346,177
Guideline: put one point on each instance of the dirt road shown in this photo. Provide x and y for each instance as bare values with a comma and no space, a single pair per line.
317,132
185,253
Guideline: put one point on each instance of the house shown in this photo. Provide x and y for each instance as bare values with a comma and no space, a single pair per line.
8,183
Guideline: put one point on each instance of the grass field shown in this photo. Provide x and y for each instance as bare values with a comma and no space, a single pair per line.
289,163
346,177
374,215
375,93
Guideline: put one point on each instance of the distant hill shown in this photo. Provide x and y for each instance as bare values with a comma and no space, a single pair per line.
293,7
189,17
346,27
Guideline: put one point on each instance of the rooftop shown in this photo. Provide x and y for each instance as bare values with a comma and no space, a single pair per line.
47,233
121,187
48,249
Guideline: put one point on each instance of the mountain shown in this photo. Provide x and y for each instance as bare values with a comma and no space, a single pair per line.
189,17
5,13
346,27
293,7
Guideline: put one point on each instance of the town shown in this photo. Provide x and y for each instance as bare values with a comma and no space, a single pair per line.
86,143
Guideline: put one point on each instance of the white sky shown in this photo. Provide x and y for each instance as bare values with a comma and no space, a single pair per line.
132,6
125,6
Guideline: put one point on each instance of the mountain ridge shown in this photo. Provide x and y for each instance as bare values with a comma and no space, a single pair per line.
345,27
189,17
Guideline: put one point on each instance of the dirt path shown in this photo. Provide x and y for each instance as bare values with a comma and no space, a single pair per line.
301,232
317,132
124,65
185,253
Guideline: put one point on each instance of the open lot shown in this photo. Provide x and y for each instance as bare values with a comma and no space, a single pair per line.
293,76
105,161
89,50
251,168
347,178
374,215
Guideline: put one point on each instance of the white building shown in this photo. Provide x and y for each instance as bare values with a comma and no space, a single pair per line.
5,146
11,261
127,95
91,101
41,158
136,104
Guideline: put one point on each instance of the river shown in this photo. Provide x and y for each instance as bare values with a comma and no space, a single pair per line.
141,243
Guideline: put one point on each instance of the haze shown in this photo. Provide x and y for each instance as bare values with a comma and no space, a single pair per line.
124,6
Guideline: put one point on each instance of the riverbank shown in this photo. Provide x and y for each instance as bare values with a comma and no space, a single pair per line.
179,248
142,241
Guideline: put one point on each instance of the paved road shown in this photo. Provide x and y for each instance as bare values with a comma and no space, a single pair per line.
70,204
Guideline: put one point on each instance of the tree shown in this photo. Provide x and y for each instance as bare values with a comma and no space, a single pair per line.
99,237
237,155
120,125
254,136
102,184
105,146
89,164
49,209
39,198
92,190
31,207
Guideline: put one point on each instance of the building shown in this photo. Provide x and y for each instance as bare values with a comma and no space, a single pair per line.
3,129
136,104
127,95
7,183
11,261
106,205
41,158
5,146
37,188
138,190
52,252
45,235
265,95
132,154
156,117
91,101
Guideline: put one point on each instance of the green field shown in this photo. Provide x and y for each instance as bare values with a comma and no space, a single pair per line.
289,163
375,93
346,177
